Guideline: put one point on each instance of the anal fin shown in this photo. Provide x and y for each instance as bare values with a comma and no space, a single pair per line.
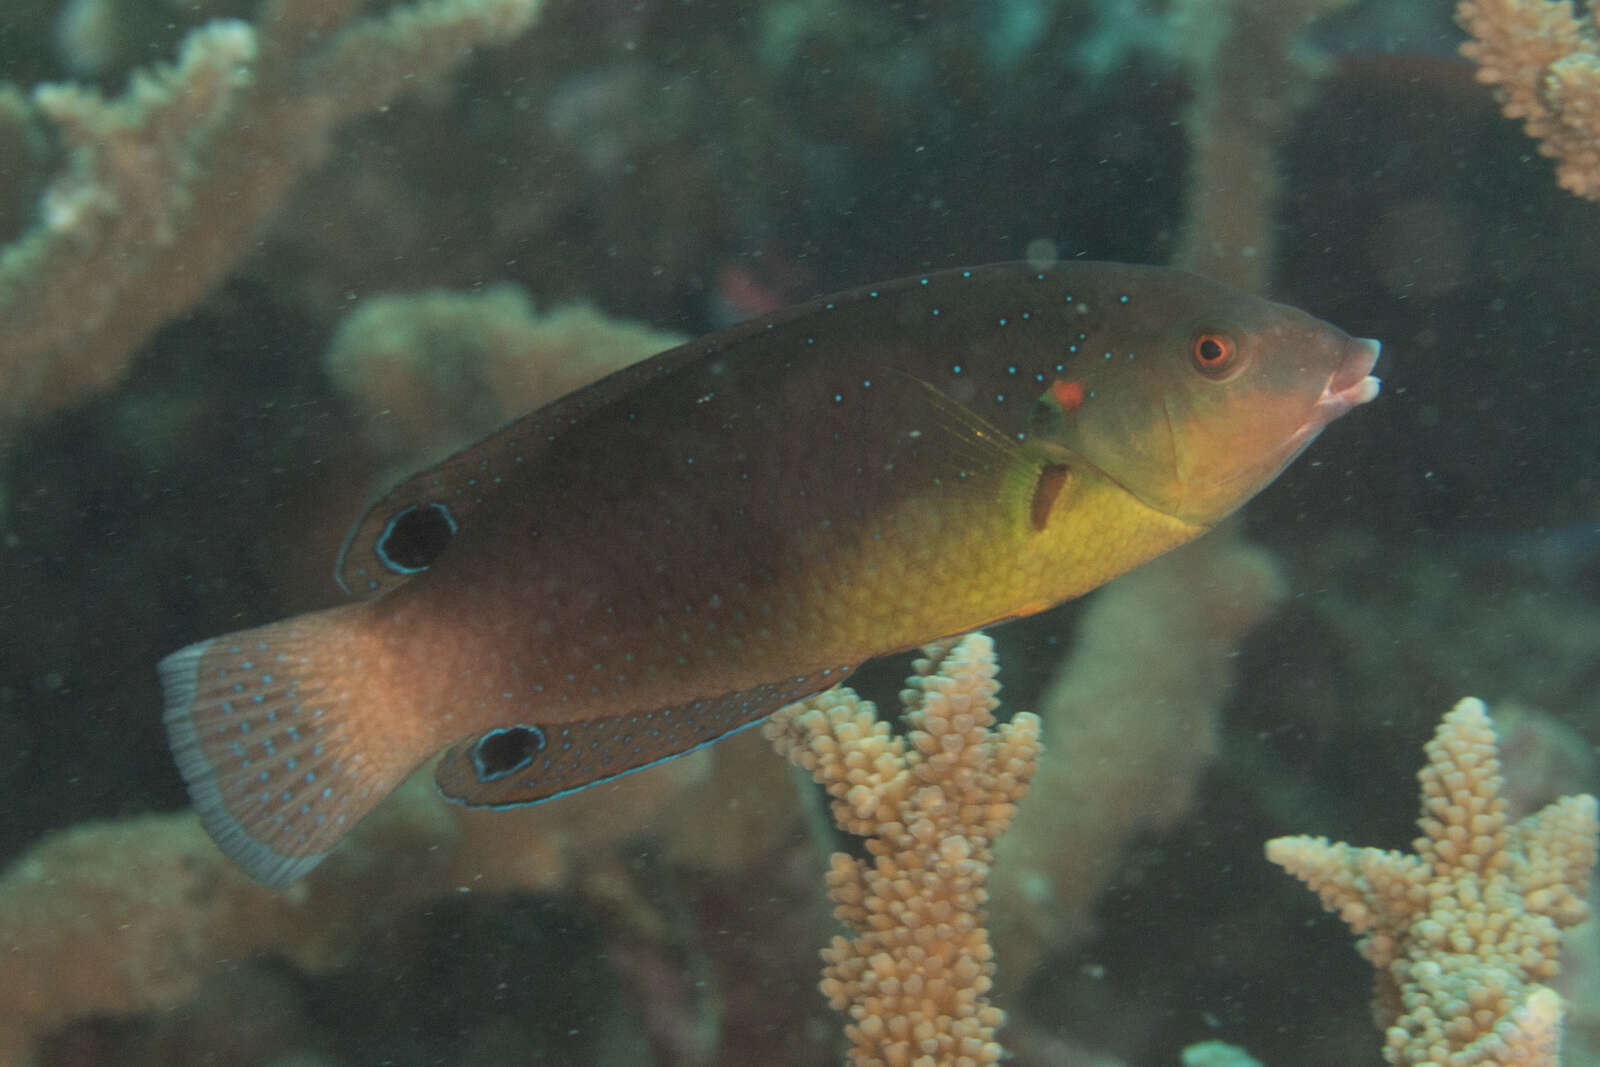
524,763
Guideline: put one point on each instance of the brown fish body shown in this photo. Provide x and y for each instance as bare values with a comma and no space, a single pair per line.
751,513
681,548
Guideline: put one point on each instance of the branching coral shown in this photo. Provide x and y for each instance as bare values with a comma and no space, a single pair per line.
1544,64
915,975
1131,720
1252,73
166,185
436,369
136,914
1464,933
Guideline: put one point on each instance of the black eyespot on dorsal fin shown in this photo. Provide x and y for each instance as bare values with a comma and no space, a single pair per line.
415,537
478,477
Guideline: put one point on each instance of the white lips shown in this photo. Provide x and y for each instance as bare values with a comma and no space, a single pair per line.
1350,385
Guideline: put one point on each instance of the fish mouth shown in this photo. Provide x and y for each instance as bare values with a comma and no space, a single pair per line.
1351,385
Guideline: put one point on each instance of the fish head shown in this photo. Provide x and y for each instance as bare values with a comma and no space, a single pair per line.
1204,399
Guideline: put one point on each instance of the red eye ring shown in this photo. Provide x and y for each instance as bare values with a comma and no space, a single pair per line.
1212,352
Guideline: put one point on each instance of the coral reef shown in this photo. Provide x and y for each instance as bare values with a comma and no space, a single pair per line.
431,371
915,975
1544,64
1240,114
131,915
1130,723
1466,933
165,186
184,459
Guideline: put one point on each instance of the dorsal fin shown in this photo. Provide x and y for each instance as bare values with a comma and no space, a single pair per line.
404,530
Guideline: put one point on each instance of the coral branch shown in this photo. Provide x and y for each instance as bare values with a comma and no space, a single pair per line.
1544,64
914,979
1252,73
1131,720
136,914
1465,932
168,184
437,369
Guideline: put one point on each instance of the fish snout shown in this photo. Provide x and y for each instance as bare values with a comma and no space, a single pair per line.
1352,383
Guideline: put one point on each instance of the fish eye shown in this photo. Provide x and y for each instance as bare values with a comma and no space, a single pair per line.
1213,353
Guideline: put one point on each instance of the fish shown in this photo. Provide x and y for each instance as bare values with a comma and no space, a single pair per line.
681,548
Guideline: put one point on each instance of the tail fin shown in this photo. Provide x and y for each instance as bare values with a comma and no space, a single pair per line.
280,756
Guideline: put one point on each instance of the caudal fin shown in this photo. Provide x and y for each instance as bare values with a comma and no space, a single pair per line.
280,754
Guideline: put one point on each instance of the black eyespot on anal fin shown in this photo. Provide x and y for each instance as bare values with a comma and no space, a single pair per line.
505,751
415,537
1046,488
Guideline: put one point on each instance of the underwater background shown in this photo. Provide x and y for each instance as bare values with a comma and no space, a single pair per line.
263,258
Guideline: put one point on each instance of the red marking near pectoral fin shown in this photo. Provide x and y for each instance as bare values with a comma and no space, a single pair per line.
1068,394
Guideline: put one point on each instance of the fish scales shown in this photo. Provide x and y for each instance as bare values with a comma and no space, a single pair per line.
754,505
676,551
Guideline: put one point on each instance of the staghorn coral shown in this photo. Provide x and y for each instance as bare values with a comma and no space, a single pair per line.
1544,64
430,371
1131,722
914,977
135,914
166,185
1464,933
1253,72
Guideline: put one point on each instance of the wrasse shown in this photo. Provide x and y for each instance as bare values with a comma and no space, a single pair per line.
683,547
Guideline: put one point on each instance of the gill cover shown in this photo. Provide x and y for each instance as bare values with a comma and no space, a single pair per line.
1205,404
